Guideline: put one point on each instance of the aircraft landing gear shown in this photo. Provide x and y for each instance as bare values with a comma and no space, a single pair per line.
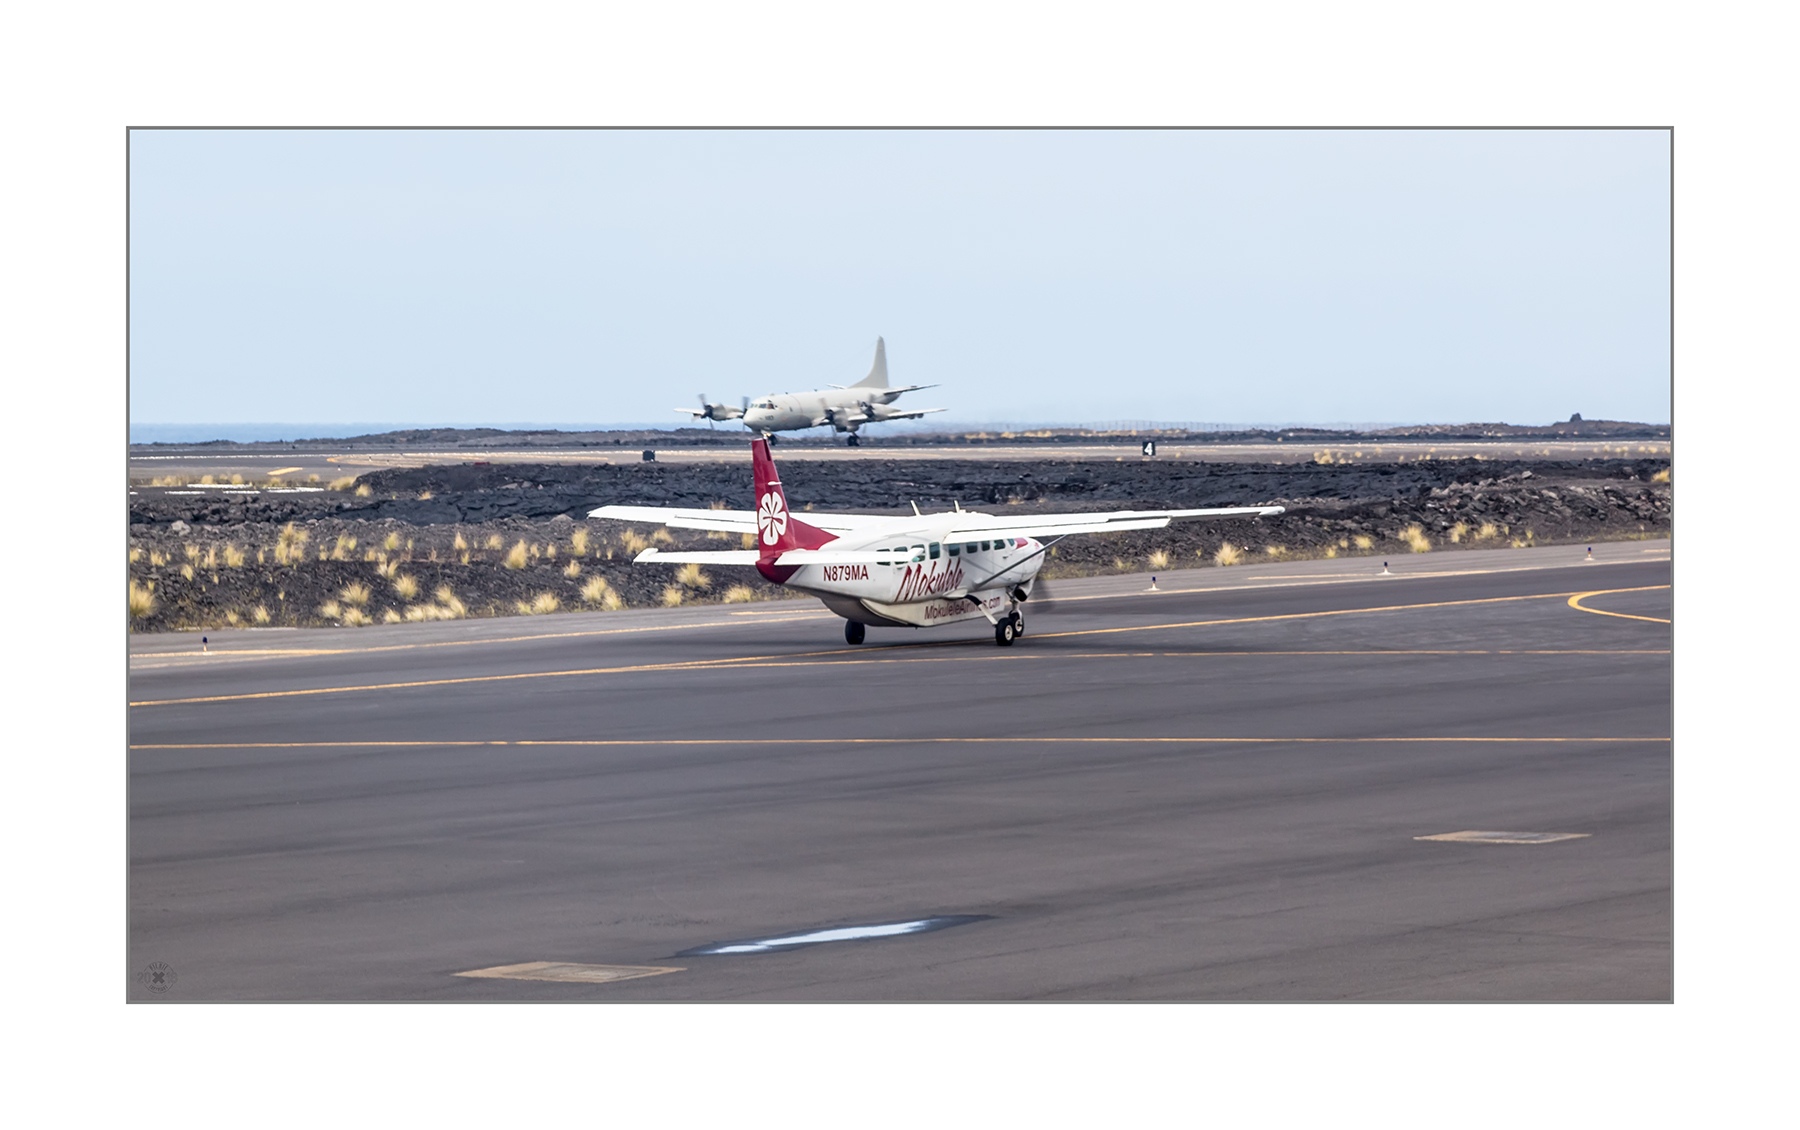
1008,630
854,632
852,441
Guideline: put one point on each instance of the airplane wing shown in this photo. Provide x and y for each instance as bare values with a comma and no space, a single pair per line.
729,521
975,526
904,415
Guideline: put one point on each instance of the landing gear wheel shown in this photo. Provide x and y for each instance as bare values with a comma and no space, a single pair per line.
772,438
1004,633
852,441
1018,623
853,632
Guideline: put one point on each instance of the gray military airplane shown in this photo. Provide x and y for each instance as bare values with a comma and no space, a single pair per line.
843,408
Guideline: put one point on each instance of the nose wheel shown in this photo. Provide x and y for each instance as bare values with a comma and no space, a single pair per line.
852,441
854,632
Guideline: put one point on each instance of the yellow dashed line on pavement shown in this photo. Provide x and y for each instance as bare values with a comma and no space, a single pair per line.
1211,739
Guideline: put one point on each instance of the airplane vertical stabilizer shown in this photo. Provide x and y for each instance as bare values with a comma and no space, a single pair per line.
877,377
777,531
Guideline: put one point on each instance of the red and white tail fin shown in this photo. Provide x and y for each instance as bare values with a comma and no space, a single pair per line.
777,530
774,526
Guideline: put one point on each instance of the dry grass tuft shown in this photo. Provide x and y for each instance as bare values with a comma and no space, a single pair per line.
1458,532
390,617
363,490
331,610
1414,537
192,552
134,554
424,496
635,543
344,483
1331,551
187,571
388,568
391,542
406,587
597,590
454,609
1159,559
739,594
578,541
355,618
1364,541
662,536
418,612
1228,554
747,541
232,618
1276,551
1487,532
462,543
492,542
354,593
671,596
517,557
572,570
691,576
158,558
1663,476
539,605
346,545
260,614
140,601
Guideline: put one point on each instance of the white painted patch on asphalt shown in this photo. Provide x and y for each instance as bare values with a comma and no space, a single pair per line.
1506,837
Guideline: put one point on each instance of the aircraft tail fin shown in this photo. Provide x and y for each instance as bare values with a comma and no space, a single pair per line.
877,377
777,530
774,532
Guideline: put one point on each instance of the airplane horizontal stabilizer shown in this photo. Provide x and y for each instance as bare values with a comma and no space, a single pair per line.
698,557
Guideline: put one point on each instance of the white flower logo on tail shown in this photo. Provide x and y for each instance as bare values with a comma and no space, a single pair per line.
771,518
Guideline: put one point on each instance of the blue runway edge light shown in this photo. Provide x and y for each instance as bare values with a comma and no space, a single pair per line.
782,942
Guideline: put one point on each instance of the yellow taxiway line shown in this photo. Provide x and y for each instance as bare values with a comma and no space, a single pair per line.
1575,603
1210,739
839,657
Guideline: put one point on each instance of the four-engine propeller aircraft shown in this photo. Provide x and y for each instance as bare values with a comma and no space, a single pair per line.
842,408
914,571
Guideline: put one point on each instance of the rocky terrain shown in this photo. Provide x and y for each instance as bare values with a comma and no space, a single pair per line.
479,540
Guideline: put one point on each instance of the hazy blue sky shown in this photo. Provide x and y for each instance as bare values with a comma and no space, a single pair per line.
469,277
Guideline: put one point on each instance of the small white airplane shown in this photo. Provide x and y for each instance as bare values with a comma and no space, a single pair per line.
843,408
915,571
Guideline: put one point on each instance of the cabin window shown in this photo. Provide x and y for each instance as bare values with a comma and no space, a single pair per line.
955,550
918,553
883,558
935,547
970,548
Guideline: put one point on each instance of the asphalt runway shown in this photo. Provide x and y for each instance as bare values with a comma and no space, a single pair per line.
145,463
1210,792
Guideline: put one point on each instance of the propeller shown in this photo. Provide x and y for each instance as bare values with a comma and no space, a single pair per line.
1042,600
706,410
